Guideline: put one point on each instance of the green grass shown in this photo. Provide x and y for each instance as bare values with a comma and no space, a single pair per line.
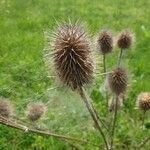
24,76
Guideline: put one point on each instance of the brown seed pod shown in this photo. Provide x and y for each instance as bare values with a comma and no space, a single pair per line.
105,42
124,40
112,104
117,81
72,59
143,101
5,108
35,111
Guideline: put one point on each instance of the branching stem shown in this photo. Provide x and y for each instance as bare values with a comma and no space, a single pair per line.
14,124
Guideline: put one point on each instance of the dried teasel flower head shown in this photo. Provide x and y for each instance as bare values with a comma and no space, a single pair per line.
125,39
35,111
143,101
72,55
105,42
112,104
117,80
5,108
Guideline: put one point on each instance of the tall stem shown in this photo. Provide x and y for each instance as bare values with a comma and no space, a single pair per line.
95,119
114,122
143,118
104,65
120,57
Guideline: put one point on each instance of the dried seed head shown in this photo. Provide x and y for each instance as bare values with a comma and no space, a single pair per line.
143,101
117,81
35,111
124,40
72,59
112,104
5,108
105,42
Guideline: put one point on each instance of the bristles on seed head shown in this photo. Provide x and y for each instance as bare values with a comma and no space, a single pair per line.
5,108
117,81
72,59
35,111
105,42
143,101
125,39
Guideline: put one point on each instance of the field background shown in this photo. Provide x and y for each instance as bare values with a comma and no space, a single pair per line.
24,77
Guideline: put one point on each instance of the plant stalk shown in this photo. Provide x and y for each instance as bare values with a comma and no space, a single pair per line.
15,125
120,57
105,75
143,119
93,115
114,122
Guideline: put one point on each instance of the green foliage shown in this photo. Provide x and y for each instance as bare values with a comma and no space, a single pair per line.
24,77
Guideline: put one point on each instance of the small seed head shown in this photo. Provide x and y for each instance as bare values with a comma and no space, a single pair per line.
143,101
124,40
5,108
35,111
105,42
117,81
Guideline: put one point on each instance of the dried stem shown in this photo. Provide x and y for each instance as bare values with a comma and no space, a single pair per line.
16,125
104,65
114,122
120,57
93,115
143,118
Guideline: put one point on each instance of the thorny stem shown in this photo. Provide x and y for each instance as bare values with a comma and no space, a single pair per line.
104,65
101,121
14,124
93,115
120,57
114,122
143,118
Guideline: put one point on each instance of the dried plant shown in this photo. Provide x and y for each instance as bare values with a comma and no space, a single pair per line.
105,42
5,108
35,111
143,101
72,58
124,41
118,80
73,64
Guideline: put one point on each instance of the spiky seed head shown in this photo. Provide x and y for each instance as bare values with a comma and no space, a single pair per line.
5,108
117,80
125,39
112,104
143,101
72,55
105,42
35,111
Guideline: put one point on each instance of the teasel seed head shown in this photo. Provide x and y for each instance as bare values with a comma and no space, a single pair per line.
5,108
125,39
35,111
112,104
72,55
143,101
105,42
117,80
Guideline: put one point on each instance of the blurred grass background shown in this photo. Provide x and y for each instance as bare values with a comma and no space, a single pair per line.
24,76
